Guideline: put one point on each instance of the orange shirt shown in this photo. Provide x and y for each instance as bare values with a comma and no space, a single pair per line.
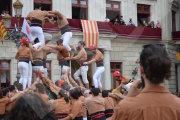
3,103
76,109
61,106
98,56
153,103
83,100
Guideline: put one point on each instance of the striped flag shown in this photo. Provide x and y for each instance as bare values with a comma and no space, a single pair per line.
3,31
178,56
90,32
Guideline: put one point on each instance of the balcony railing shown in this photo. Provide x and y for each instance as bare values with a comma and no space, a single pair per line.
176,36
129,32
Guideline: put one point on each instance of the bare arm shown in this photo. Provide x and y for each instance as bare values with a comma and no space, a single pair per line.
52,22
17,55
16,96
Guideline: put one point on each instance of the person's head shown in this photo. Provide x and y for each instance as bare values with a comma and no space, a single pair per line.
92,87
63,84
37,6
79,92
95,91
3,12
12,88
130,19
25,41
19,87
15,82
81,44
62,94
93,48
158,21
60,82
56,83
86,93
121,17
30,107
36,41
40,88
73,94
117,75
155,64
59,42
6,92
105,93
67,88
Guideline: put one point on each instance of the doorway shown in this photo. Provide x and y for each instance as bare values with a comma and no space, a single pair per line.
142,17
112,15
79,13
6,5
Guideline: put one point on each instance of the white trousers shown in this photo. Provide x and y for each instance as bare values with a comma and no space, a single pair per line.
97,76
127,86
34,68
83,72
23,70
66,38
29,74
37,32
45,72
47,36
63,68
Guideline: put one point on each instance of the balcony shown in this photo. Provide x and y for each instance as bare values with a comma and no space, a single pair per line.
129,32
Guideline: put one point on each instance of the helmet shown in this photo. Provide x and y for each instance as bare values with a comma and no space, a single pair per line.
93,47
117,74
25,41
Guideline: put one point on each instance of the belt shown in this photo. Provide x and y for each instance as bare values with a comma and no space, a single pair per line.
24,59
109,113
97,115
64,62
81,63
44,63
36,23
65,29
130,81
78,118
37,62
100,63
60,116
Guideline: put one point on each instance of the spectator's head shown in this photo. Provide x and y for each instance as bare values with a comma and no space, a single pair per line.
36,41
37,6
40,88
105,93
95,91
73,94
59,42
60,82
130,19
81,44
158,21
56,83
19,87
12,88
6,92
155,64
62,94
30,107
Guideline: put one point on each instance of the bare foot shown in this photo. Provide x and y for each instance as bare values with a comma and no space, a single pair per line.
74,47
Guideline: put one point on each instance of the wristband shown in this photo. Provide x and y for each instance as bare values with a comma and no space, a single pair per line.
69,74
38,75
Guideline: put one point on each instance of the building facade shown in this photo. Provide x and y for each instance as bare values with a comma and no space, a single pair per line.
120,53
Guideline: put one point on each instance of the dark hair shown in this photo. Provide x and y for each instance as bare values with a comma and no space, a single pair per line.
79,92
56,83
63,84
105,93
67,87
1,93
30,107
60,41
37,5
15,82
19,86
11,88
124,89
63,94
73,93
36,40
156,63
92,86
40,88
95,91
5,91
82,43
51,94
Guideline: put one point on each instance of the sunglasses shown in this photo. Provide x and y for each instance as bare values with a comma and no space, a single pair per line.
147,45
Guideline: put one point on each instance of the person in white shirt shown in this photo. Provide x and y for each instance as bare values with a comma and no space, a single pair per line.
130,23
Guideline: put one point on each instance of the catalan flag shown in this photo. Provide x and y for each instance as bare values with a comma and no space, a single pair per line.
90,32
3,31
178,56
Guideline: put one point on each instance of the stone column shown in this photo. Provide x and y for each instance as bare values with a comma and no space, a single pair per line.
107,75
166,19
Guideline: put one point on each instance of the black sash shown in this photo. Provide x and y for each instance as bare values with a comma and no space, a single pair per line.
37,62
36,23
44,63
98,116
78,118
81,63
65,29
99,63
109,113
61,116
24,59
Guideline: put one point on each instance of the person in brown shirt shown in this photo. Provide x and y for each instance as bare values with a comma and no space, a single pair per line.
109,104
24,55
37,17
96,105
76,108
64,27
61,105
98,58
82,57
154,101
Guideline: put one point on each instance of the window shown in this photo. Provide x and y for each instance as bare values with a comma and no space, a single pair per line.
4,73
79,9
48,65
112,10
115,66
45,4
143,13
6,5
173,21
